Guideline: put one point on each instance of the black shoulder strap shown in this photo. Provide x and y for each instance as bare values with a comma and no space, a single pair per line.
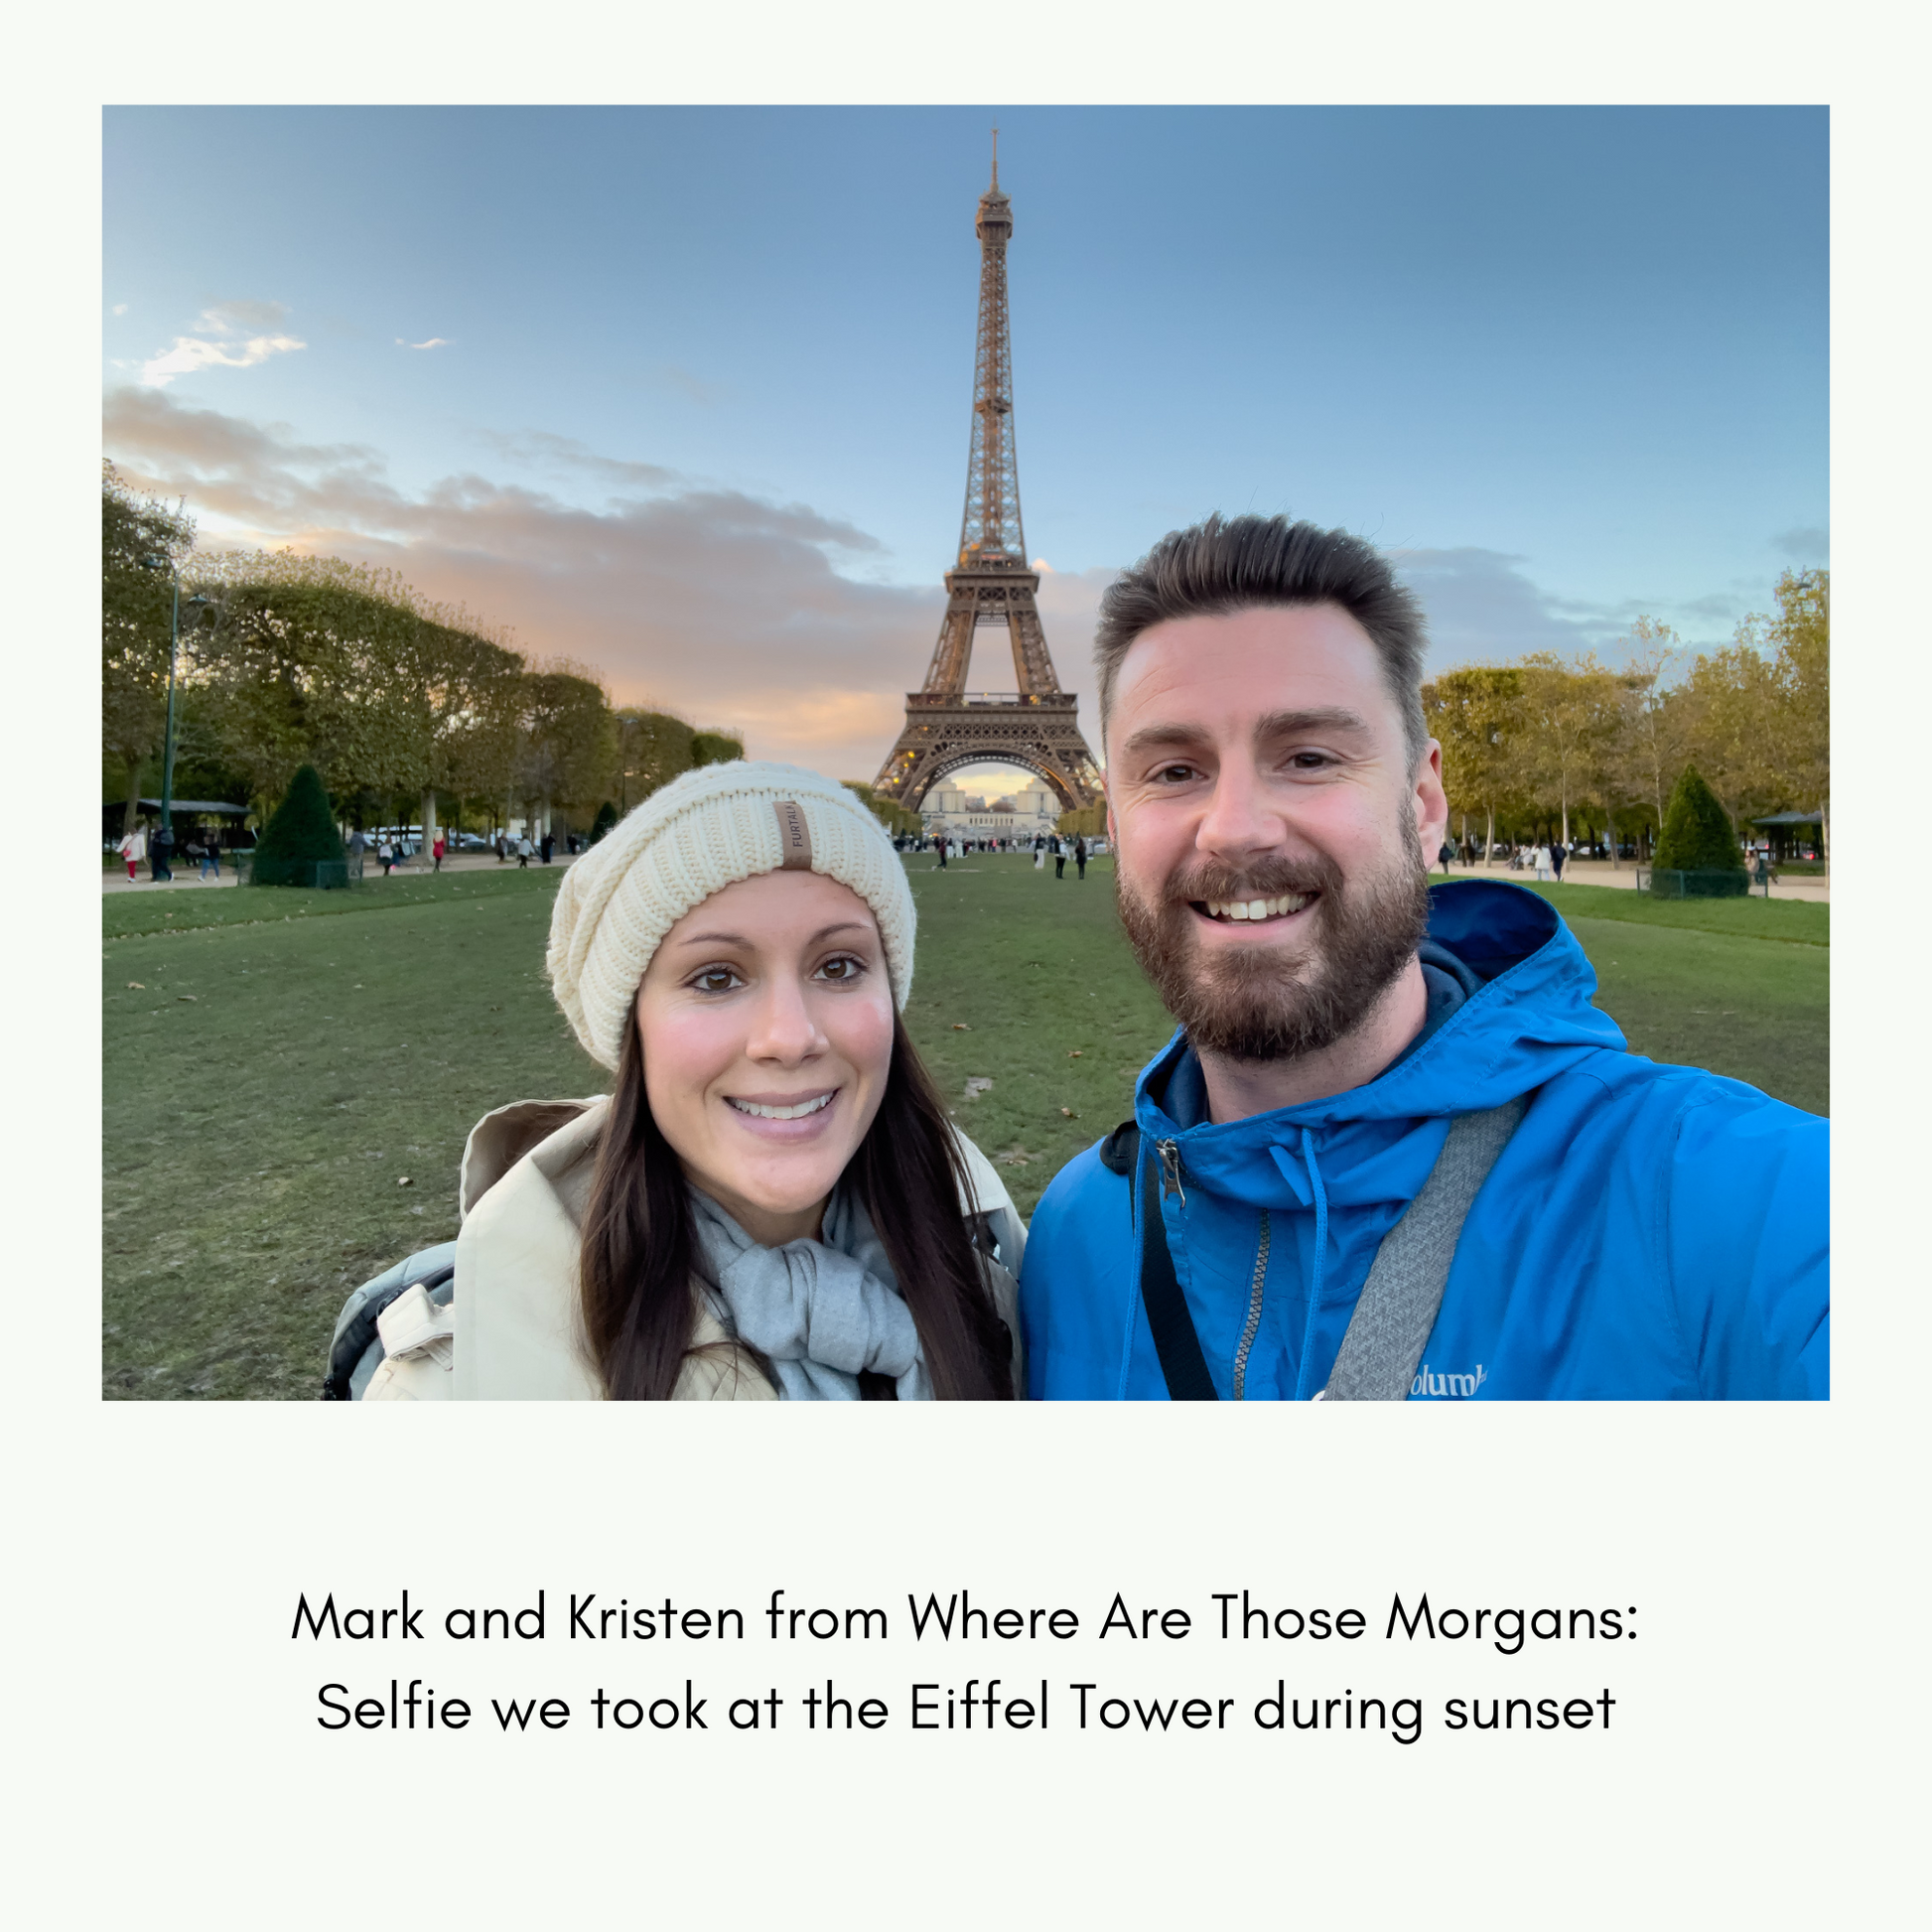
1174,1339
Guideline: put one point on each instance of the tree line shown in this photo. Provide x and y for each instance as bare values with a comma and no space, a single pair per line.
1549,747
402,703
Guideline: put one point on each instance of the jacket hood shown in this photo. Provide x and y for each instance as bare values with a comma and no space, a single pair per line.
1528,1020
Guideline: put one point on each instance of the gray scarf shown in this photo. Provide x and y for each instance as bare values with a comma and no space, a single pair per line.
818,1311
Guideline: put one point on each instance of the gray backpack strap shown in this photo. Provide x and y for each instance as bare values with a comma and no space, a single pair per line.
1390,1326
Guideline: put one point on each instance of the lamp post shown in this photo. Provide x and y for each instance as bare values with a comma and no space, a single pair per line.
164,837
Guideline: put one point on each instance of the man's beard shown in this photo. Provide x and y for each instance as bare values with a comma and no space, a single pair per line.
1257,1002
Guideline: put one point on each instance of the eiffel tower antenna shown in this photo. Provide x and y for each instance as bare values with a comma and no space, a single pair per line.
1035,726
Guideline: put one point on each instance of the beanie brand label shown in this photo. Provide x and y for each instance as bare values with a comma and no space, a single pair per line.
794,836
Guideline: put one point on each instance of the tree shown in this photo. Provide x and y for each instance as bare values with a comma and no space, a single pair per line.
136,604
1696,835
1654,747
1757,714
1800,637
566,753
889,812
715,748
301,833
654,748
1476,714
315,660
1574,713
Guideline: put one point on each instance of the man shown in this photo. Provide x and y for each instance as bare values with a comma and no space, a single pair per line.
1059,857
1359,1053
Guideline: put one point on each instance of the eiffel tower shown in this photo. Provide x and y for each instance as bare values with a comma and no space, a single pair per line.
946,726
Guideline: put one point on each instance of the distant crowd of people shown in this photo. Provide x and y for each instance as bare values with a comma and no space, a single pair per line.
1048,845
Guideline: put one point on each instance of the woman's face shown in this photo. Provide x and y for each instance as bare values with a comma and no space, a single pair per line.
766,1025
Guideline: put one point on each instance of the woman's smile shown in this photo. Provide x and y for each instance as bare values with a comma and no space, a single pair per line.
774,1118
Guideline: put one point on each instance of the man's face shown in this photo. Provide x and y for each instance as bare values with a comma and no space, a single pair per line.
1269,830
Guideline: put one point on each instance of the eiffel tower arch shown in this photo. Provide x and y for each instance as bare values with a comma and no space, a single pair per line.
1036,725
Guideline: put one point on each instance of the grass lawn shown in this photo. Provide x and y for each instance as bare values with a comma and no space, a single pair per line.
277,1061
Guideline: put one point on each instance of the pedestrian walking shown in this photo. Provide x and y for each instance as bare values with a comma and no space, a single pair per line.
1540,857
133,848
1557,856
941,843
1059,857
546,848
385,855
523,853
1444,856
436,853
1080,857
1039,854
211,857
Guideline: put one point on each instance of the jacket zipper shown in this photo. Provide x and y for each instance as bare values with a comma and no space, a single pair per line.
1254,1311
1170,1153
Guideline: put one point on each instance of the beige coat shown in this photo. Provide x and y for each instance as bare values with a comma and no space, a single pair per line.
513,1331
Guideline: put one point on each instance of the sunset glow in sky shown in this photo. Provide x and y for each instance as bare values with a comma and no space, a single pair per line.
683,392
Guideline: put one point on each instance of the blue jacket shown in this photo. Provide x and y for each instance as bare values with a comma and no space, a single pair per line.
1652,1232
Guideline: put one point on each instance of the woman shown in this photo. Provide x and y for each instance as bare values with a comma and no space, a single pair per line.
133,848
771,1203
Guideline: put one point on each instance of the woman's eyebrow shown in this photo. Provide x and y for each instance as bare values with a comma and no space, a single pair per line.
714,939
738,939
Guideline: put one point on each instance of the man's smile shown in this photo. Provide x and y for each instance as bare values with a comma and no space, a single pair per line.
1251,912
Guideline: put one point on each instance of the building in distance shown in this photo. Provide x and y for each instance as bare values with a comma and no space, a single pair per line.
1027,813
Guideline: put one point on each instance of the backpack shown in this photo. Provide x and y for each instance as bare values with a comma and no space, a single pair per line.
355,1350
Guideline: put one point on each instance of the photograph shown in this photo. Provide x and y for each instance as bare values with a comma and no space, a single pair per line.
631,870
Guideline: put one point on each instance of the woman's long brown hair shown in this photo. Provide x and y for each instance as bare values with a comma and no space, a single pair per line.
635,1261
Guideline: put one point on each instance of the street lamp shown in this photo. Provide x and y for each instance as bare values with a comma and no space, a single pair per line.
164,837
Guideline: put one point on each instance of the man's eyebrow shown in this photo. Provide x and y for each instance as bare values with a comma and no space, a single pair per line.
1275,724
1151,737
1324,717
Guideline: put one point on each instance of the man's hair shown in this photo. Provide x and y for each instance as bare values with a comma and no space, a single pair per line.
1243,563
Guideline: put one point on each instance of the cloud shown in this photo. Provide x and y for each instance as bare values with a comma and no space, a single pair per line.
121,308
1809,543
721,604
687,384
216,346
236,317
435,342
1482,608
541,449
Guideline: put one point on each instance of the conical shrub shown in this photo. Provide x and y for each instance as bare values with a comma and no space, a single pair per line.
300,835
1697,834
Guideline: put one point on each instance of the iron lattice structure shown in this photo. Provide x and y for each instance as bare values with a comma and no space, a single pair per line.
1036,726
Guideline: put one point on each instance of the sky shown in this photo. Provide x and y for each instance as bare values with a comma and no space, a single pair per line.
682,393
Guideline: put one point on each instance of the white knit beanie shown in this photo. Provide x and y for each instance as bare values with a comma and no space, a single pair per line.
693,837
